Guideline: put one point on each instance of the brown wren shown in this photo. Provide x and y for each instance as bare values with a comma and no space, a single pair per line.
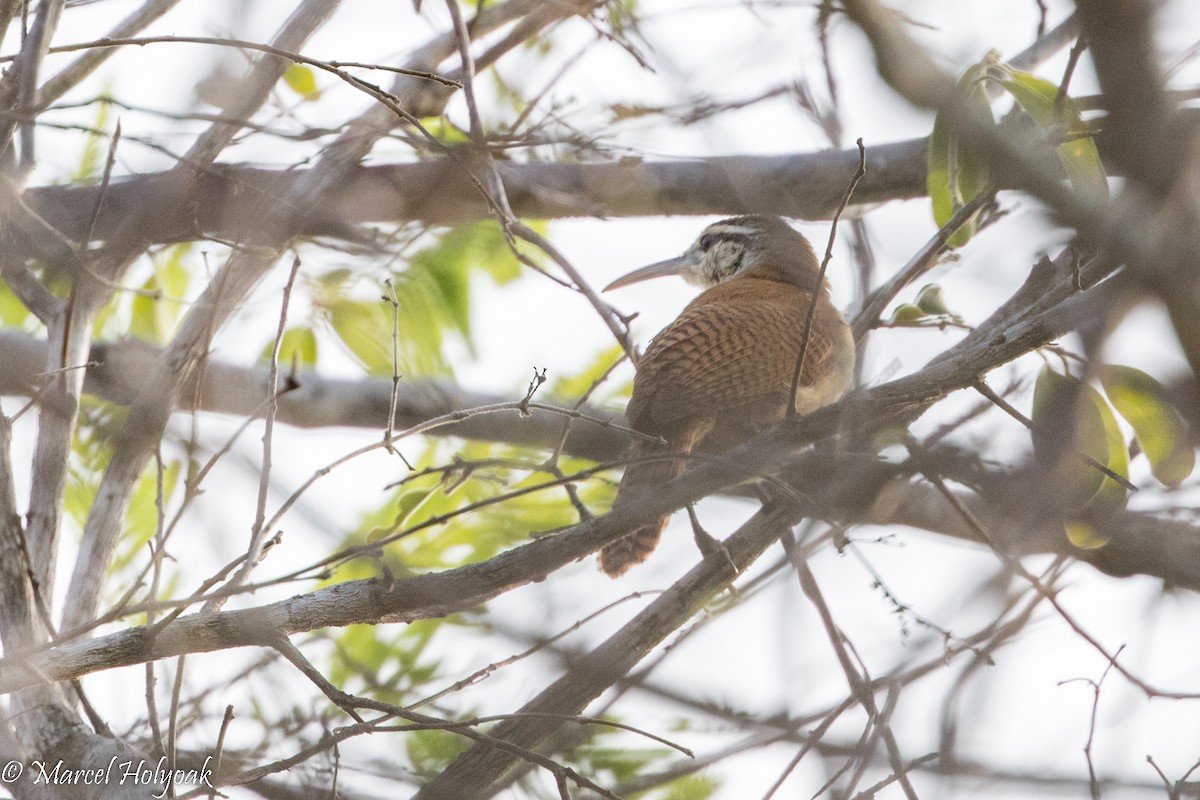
724,369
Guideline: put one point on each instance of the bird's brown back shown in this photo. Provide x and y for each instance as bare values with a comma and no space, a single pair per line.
732,353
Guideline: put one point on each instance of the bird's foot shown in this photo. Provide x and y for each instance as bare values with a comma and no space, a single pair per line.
709,545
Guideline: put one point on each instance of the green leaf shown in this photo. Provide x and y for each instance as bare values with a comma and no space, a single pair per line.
407,506
171,269
1084,536
576,385
141,520
366,331
155,311
95,148
1159,428
1111,493
1078,154
931,301
301,80
445,131
1071,417
13,313
691,787
431,751
145,323
298,346
450,261
906,314
954,174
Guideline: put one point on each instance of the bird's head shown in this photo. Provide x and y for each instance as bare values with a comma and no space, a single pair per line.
752,245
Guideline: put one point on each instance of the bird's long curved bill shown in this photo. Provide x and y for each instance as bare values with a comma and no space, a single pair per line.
659,269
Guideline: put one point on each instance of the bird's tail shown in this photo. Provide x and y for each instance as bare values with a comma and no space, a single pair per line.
643,474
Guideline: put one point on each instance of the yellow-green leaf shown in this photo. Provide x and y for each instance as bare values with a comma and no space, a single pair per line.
1078,154
408,504
906,314
298,346
584,381
955,175
1069,418
147,320
1084,536
156,309
445,131
301,80
431,751
1160,429
142,518
931,301
13,313
1111,493
366,331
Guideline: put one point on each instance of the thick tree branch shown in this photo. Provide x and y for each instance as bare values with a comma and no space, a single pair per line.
223,201
118,373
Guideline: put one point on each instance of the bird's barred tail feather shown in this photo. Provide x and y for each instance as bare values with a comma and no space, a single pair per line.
643,474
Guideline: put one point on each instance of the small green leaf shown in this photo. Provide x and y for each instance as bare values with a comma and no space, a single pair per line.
1071,417
590,378
451,260
147,321
691,787
1078,154
906,314
431,751
1159,428
366,331
1084,536
172,271
301,80
445,131
335,280
13,313
931,301
142,518
955,175
1111,494
155,311
298,346
891,436
408,504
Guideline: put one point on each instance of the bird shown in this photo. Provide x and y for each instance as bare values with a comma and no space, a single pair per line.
724,369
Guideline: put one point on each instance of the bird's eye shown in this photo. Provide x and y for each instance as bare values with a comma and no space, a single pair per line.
707,241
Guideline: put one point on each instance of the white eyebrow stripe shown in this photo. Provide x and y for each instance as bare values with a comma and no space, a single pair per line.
742,230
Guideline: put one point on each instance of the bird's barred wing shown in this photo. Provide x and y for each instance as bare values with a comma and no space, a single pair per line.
729,351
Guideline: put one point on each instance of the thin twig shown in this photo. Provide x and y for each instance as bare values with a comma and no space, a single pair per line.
259,530
1072,61
812,305
1087,748
105,179
394,399
985,390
